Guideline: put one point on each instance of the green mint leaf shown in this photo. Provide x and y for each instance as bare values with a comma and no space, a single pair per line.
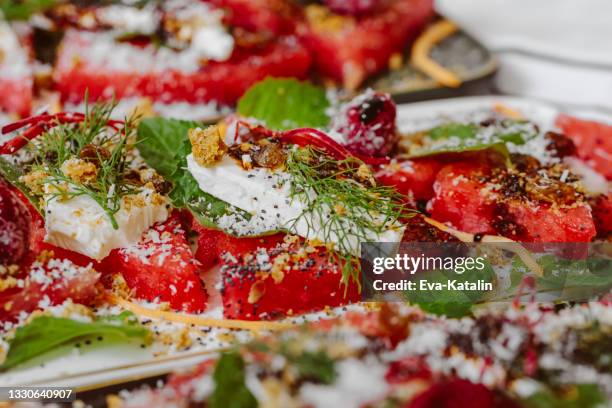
574,279
460,138
45,333
230,387
450,302
161,143
285,104
22,10
164,145
459,130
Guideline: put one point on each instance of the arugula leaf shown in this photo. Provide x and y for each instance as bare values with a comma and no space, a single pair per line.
11,173
581,396
460,137
230,388
45,333
449,302
22,10
285,103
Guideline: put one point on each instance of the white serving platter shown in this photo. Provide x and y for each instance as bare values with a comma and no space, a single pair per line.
86,369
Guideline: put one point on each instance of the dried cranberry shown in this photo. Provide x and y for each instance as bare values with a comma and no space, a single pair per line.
354,7
368,124
14,226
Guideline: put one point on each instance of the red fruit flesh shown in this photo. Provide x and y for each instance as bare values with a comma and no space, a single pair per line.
458,201
211,243
354,7
221,82
16,96
593,141
254,289
411,178
161,267
459,393
47,284
274,16
602,214
14,226
368,124
465,199
362,47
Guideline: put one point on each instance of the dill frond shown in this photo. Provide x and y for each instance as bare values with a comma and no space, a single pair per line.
109,147
349,208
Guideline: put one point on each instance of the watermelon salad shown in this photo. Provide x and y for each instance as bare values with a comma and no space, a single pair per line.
189,58
175,234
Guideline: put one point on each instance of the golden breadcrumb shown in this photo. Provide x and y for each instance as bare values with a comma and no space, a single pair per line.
207,145
35,181
79,170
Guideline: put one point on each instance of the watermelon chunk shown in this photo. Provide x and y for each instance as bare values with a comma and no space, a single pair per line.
273,16
16,80
284,280
211,243
48,283
593,141
161,267
142,73
412,178
468,198
349,50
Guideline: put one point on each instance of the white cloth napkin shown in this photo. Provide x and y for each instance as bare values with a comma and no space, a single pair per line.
557,50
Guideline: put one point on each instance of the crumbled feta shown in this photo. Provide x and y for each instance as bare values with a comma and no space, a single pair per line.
81,225
267,196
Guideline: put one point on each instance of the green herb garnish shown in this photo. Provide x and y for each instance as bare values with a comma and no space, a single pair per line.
343,205
45,333
285,104
230,387
107,147
574,396
22,10
164,145
460,137
449,302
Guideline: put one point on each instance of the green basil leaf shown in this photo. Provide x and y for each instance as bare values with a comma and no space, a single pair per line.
285,104
22,10
45,333
230,387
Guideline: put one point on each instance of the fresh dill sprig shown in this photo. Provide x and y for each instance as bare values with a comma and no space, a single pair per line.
103,145
343,203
